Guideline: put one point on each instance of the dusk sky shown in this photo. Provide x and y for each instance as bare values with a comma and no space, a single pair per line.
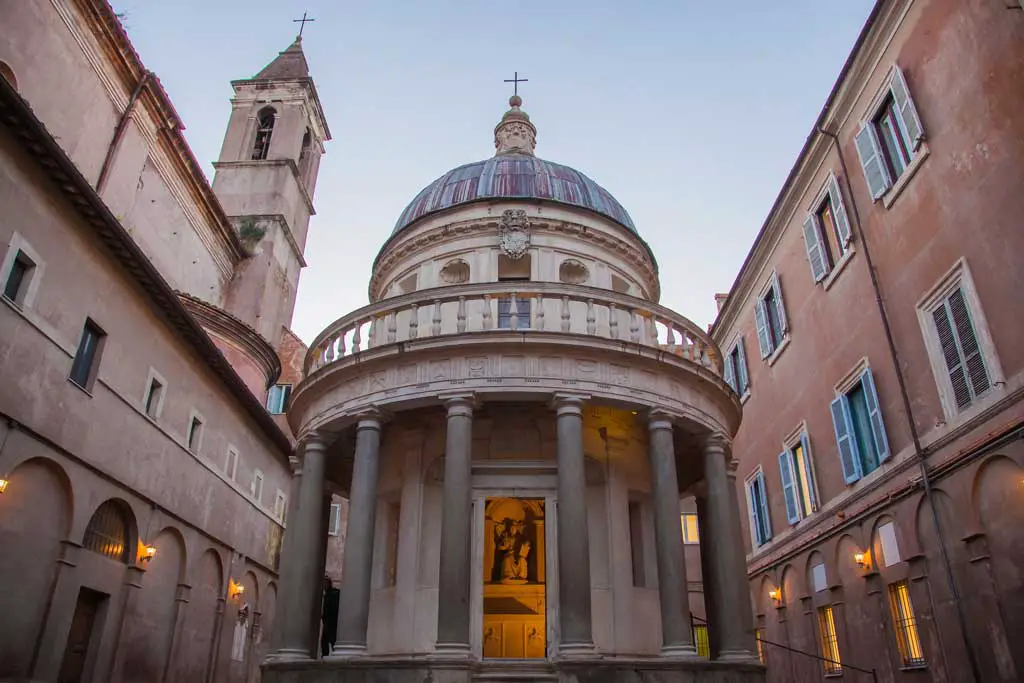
690,113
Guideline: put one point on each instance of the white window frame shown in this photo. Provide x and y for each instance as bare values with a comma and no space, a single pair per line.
758,475
799,436
257,491
30,287
195,415
737,372
231,462
280,505
958,275
159,408
334,522
771,352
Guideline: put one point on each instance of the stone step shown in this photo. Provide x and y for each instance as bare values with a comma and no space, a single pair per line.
514,673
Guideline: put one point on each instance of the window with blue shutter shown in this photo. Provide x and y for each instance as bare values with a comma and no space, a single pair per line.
730,372
736,368
965,364
789,488
757,503
881,442
889,140
770,316
860,429
797,481
803,465
849,455
815,248
827,231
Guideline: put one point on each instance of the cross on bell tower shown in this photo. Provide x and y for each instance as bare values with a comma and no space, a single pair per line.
515,81
302,23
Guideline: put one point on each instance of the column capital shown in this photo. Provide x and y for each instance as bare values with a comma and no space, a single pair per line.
459,403
659,419
718,442
568,403
313,440
371,418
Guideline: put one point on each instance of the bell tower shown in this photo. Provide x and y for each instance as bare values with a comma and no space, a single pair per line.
265,178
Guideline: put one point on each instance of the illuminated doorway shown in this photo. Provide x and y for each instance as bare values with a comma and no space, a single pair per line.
514,600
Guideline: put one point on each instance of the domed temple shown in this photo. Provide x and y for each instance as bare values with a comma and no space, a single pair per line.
515,421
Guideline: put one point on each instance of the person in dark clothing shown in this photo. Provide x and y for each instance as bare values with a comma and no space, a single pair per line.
329,616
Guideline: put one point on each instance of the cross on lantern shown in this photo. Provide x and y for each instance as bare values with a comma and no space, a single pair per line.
515,80
302,23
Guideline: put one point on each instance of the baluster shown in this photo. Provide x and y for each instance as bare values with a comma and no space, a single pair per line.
328,354
488,321
670,336
591,318
392,320
538,312
357,338
460,320
565,314
414,321
634,326
435,328
613,321
513,312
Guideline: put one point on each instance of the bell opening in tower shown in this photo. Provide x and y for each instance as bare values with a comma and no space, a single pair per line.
515,605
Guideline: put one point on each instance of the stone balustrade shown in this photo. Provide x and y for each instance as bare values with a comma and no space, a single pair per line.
529,308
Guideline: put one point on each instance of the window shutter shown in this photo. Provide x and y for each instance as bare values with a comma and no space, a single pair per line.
848,454
779,303
788,487
755,525
730,375
908,112
870,155
741,367
875,413
766,521
835,196
808,477
976,372
812,240
761,317
950,352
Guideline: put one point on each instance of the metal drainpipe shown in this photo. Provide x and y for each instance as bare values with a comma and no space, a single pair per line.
919,452
122,126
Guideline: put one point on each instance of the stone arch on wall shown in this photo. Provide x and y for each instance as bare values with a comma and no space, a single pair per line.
36,515
197,636
112,531
149,625
791,586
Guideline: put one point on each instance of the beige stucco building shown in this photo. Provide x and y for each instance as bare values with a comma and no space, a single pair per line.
143,336
516,422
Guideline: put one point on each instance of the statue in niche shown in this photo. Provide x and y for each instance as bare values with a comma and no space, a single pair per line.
511,550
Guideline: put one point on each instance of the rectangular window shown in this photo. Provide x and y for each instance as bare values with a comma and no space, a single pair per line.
798,480
280,505
195,434
154,393
860,430
334,525
770,316
636,543
890,549
87,358
905,624
760,645
757,506
522,313
18,278
827,231
829,641
890,137
690,530
277,398
700,639
818,578
257,486
958,339
394,521
736,368
231,464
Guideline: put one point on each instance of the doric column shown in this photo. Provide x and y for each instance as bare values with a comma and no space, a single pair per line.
300,554
676,631
357,563
724,544
573,541
456,517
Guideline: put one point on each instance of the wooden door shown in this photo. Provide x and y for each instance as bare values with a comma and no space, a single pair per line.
76,651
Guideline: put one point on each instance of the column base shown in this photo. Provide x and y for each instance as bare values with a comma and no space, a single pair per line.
347,651
578,650
738,656
452,651
679,651
288,654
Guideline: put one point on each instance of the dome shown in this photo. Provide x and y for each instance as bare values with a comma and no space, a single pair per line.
514,176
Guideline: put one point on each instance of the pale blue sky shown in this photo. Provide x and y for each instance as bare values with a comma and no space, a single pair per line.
690,112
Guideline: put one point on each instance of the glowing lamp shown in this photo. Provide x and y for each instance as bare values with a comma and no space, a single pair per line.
237,590
148,553
3,485
860,559
774,594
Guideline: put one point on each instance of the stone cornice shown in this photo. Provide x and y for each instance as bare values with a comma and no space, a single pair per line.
407,244
220,322
876,35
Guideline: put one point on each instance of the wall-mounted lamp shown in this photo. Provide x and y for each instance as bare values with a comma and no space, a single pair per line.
148,553
775,595
236,590
861,560
3,485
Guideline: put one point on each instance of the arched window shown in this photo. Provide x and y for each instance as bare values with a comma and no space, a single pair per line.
264,129
7,73
304,155
107,533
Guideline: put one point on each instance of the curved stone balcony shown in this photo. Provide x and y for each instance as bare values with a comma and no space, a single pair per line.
513,341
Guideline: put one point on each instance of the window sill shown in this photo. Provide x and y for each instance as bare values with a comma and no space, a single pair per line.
893,193
80,387
839,267
745,397
914,667
778,350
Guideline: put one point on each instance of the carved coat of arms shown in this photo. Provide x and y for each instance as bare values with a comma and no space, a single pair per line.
514,238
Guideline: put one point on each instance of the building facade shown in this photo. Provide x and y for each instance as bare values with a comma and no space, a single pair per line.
516,423
873,336
143,332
